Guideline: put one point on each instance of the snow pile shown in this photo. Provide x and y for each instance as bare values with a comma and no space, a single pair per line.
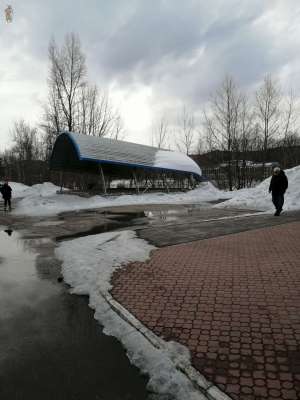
41,190
88,264
39,202
18,189
175,160
259,198
45,189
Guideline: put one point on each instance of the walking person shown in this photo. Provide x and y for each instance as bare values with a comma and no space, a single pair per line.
6,194
278,186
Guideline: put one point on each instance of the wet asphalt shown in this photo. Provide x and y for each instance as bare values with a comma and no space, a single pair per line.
51,347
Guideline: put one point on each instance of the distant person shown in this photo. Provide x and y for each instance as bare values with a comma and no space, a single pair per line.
278,186
6,194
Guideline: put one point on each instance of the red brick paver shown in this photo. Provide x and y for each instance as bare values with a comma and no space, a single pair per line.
234,301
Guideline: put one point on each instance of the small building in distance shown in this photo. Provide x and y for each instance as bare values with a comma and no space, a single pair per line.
95,163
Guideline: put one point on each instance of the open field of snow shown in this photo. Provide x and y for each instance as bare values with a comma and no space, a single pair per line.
259,198
42,199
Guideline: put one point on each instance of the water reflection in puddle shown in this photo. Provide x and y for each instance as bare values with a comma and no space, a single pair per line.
51,347
20,286
174,214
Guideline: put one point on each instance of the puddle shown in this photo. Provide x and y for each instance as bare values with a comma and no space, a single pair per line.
48,223
19,282
174,214
115,222
51,347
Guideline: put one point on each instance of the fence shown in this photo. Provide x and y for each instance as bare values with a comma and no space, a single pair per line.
242,177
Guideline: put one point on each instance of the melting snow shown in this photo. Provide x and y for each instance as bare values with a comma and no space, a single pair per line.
43,200
88,264
259,198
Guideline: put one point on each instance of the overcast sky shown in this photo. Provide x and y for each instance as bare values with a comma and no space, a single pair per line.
152,56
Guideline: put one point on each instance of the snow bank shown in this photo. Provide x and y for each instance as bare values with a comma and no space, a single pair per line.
88,264
18,189
259,198
39,201
175,160
40,190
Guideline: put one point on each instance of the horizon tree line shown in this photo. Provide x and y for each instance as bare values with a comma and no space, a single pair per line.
233,121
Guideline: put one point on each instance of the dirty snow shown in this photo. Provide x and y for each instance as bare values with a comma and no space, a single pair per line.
42,199
176,160
259,198
88,264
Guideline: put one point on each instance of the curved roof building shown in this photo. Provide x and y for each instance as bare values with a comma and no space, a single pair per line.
83,153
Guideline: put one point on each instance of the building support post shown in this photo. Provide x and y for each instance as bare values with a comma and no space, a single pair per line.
165,183
136,182
61,178
102,178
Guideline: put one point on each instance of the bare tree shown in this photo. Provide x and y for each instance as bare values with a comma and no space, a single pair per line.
95,115
73,104
268,99
290,136
160,133
186,131
118,130
290,117
245,140
222,122
66,79
26,144
201,143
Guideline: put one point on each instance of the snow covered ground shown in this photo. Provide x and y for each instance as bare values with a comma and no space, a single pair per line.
259,198
88,264
42,199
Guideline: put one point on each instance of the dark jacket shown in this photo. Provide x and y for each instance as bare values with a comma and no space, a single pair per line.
6,191
279,183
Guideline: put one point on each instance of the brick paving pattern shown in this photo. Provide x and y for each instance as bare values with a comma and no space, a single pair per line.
234,301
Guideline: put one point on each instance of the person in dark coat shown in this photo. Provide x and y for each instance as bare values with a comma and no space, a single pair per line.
278,186
6,194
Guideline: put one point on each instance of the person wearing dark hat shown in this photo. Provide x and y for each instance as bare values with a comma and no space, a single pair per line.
278,186
6,194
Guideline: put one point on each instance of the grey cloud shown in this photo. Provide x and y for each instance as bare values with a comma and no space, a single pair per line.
158,43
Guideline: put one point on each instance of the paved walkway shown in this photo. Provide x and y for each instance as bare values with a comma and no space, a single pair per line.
234,301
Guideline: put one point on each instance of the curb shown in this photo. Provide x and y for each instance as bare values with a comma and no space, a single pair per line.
211,391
